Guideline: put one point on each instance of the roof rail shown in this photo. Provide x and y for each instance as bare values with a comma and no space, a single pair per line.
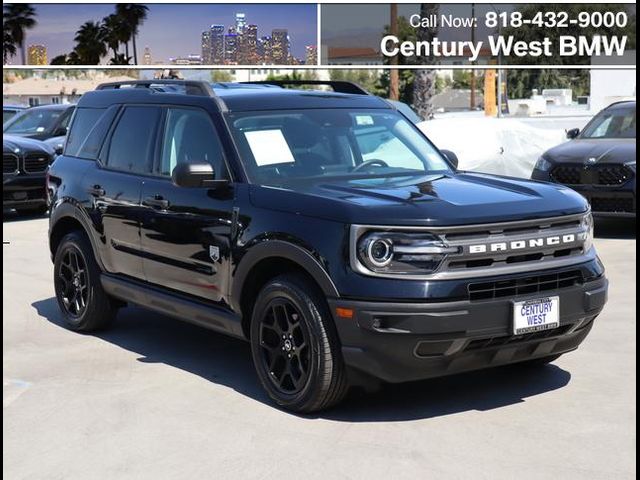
339,86
192,87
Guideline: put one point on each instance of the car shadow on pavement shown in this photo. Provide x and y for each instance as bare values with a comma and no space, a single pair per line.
14,217
227,361
620,228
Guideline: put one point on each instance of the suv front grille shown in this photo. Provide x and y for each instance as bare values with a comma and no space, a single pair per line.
605,174
613,204
36,162
524,286
9,163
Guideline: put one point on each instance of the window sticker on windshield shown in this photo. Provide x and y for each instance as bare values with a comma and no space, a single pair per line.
40,129
269,147
364,120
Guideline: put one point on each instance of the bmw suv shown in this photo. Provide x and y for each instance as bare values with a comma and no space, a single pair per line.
322,227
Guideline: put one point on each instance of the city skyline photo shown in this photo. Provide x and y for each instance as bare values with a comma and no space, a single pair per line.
230,34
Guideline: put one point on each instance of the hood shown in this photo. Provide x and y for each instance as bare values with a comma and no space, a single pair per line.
11,143
605,150
463,198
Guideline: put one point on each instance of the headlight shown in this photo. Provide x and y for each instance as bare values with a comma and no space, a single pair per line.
398,253
542,164
587,224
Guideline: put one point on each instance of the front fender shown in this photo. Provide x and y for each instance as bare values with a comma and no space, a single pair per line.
266,249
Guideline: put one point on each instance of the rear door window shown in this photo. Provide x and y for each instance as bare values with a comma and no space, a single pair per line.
133,139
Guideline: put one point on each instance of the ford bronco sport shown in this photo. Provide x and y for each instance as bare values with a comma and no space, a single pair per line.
323,227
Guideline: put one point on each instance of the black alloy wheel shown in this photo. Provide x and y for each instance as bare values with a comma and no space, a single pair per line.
73,282
295,346
84,304
285,346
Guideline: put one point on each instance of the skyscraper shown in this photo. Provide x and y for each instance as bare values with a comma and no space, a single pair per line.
146,56
217,45
250,45
311,55
37,55
241,23
280,46
264,50
231,48
205,43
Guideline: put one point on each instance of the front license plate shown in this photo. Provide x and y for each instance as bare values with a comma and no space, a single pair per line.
536,315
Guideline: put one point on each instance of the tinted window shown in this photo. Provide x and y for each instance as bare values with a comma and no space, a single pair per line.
617,122
33,121
133,138
7,115
190,137
84,122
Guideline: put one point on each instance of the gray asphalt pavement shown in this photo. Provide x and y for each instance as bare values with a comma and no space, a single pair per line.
157,398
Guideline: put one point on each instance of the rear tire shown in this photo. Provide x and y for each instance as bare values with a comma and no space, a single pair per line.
295,346
84,304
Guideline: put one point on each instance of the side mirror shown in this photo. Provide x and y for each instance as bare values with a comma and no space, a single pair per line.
573,133
59,149
194,175
452,157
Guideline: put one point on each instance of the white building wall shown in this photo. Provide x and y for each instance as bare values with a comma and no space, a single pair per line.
608,86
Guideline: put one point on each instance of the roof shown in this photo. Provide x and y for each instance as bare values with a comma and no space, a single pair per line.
336,53
54,86
622,104
243,98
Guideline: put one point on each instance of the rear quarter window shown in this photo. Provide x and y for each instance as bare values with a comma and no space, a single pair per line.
84,122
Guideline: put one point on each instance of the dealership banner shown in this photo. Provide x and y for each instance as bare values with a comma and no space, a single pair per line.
478,34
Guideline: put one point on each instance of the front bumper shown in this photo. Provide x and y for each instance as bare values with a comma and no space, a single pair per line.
401,342
24,190
605,201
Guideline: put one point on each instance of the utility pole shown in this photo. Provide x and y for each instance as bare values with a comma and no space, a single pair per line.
472,96
394,81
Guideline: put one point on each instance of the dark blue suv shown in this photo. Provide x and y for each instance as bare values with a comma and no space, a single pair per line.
321,226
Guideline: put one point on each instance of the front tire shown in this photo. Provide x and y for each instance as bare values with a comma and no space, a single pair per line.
295,347
84,304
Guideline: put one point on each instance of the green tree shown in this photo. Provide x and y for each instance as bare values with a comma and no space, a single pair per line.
367,79
8,44
133,15
424,85
90,43
220,76
116,32
17,19
522,82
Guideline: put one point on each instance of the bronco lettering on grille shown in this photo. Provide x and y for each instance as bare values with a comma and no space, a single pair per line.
531,243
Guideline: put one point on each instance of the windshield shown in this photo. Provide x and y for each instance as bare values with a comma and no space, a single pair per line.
284,147
33,121
618,122
8,115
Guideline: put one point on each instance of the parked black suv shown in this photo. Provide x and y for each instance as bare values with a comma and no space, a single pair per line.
323,227
599,161
24,166
40,123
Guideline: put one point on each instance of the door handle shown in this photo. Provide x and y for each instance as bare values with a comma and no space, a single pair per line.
157,201
96,191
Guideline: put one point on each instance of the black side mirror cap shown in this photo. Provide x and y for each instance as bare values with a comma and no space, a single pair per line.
573,133
195,175
452,157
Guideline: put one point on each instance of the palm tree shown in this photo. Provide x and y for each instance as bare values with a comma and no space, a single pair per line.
59,60
18,18
90,43
134,16
116,32
424,85
8,44
119,59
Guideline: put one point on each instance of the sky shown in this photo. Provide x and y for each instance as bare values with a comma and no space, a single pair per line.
173,30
